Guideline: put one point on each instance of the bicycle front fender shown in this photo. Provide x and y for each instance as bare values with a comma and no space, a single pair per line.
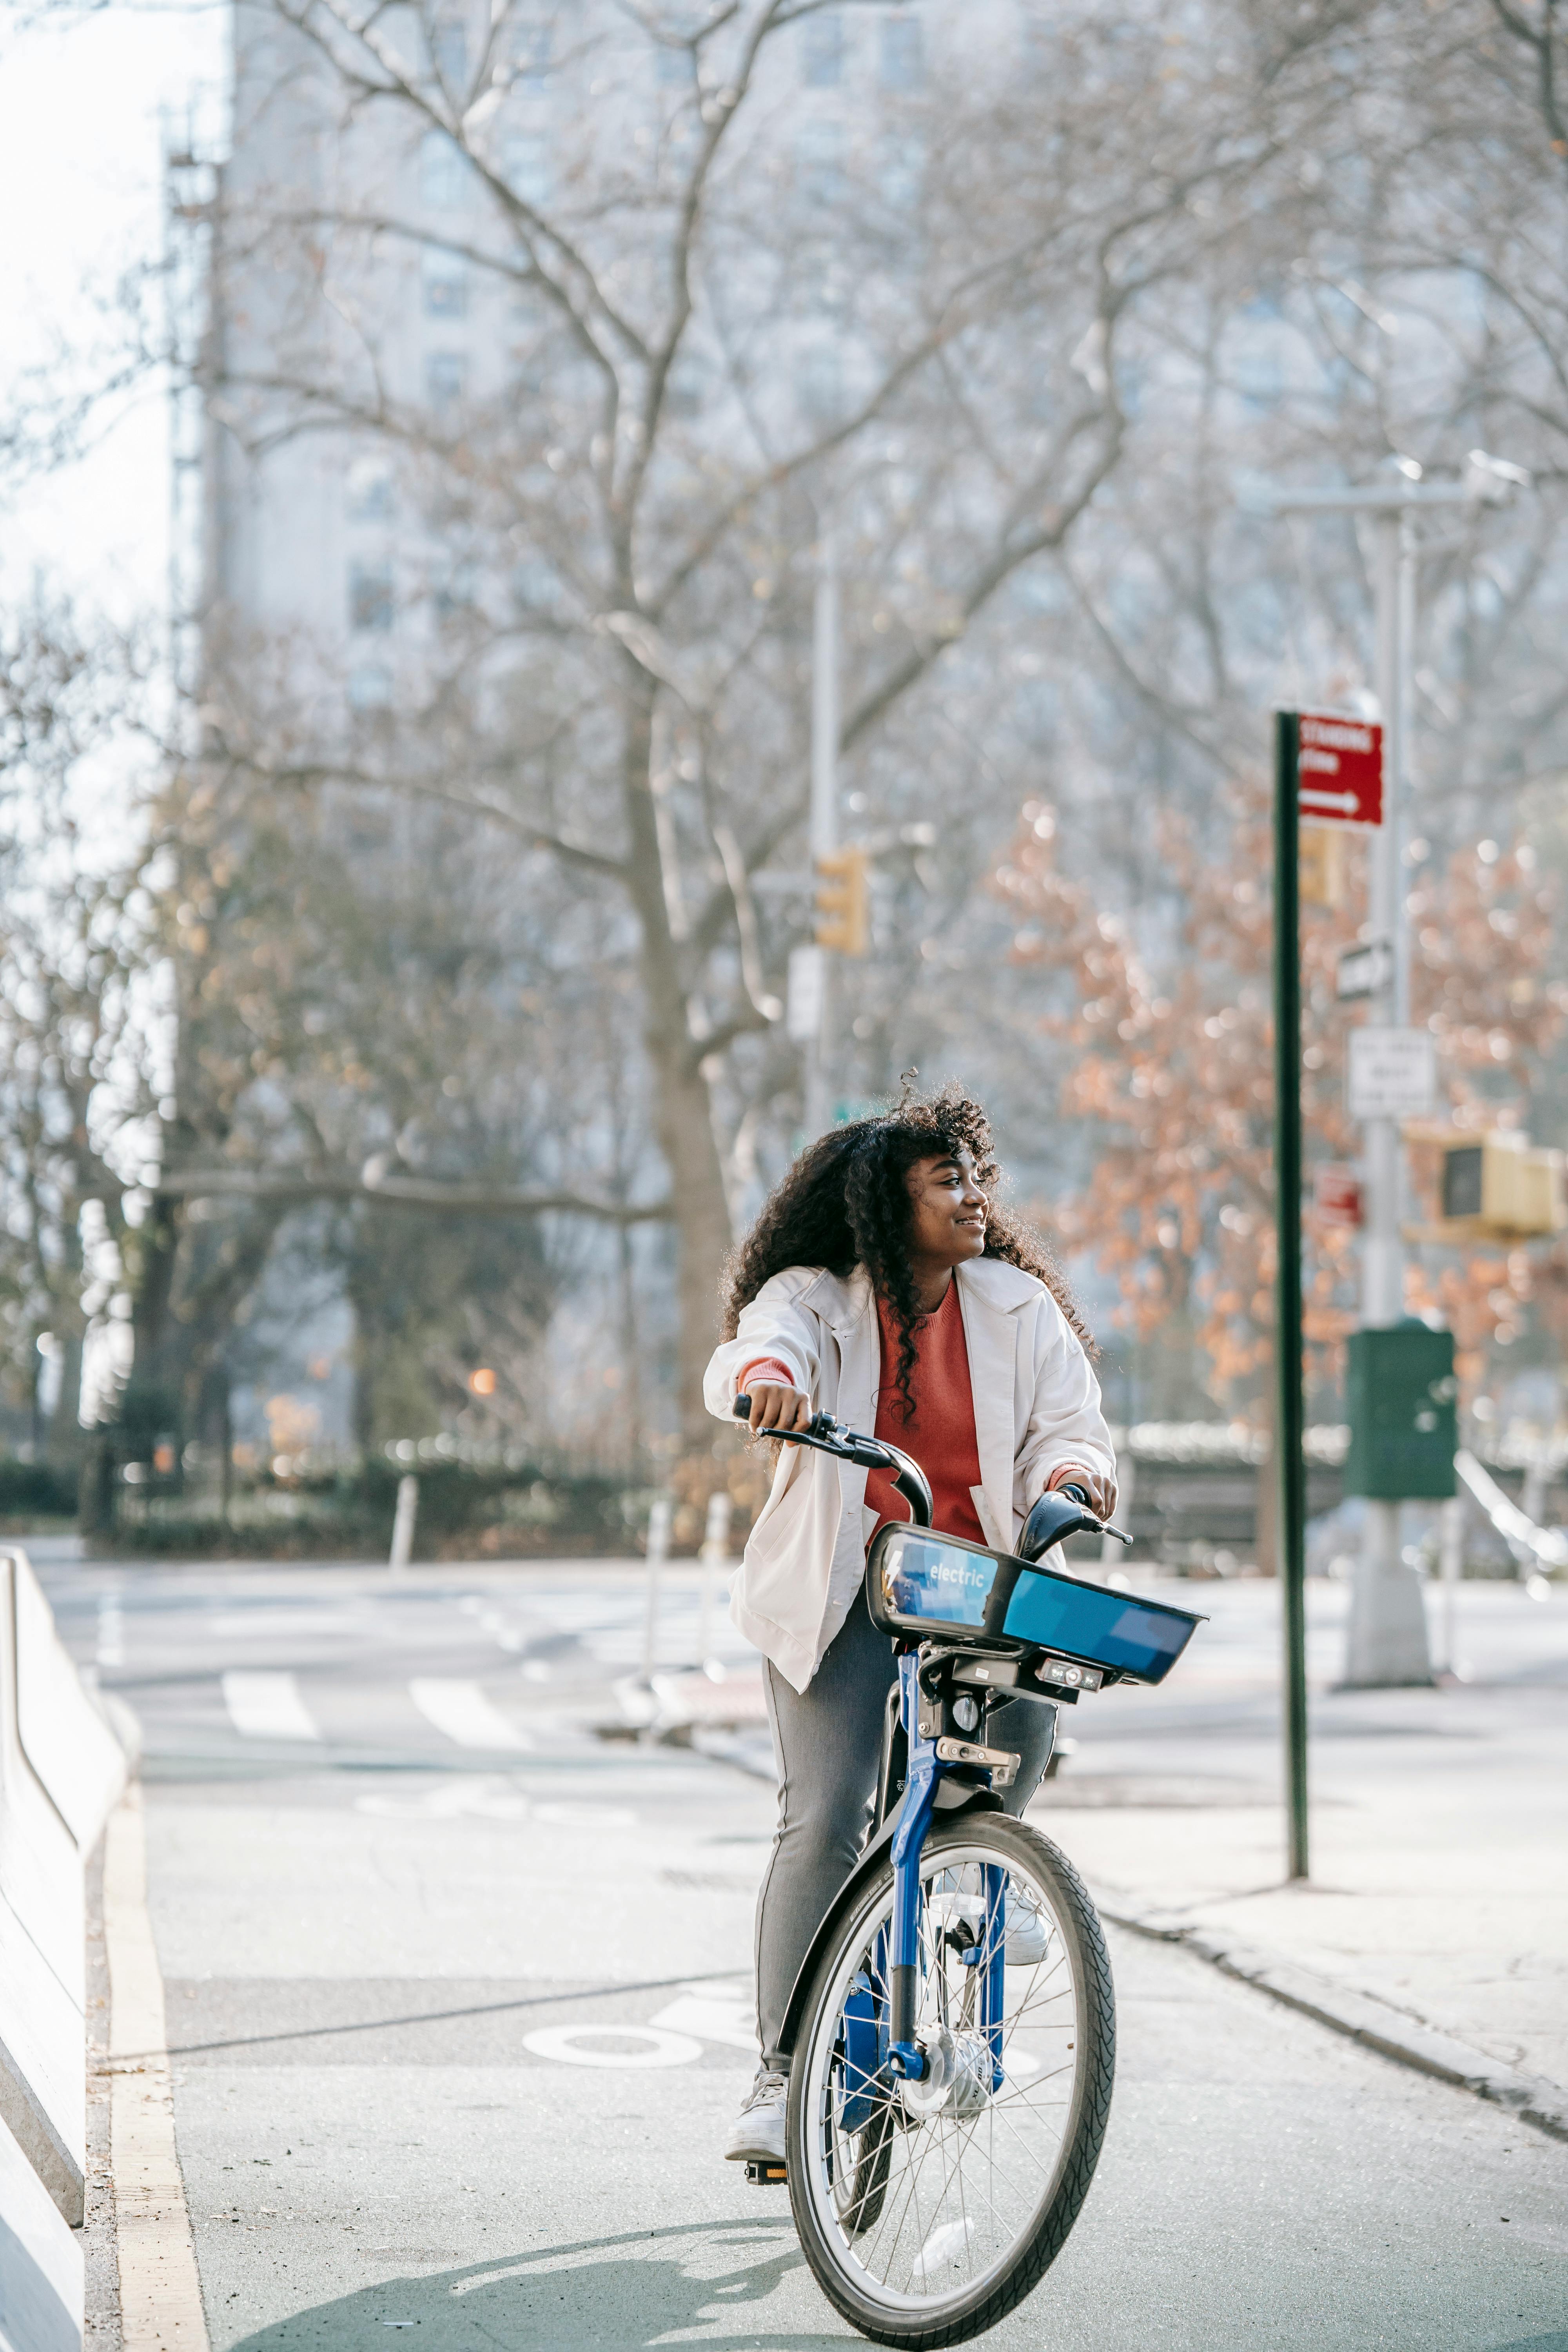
953,1797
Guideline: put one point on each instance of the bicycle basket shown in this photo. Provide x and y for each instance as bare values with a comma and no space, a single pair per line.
920,1582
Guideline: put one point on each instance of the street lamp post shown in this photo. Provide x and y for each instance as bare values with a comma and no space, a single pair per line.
1387,1641
824,812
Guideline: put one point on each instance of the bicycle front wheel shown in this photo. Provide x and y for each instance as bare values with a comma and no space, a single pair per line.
928,2211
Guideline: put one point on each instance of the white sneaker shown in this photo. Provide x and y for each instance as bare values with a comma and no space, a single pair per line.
1026,1934
757,2134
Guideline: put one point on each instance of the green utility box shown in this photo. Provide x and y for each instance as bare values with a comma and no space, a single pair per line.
1400,1388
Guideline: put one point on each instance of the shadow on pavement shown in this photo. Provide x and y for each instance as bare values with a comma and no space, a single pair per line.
596,2295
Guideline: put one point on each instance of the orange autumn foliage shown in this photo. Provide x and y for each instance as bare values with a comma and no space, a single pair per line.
1176,1071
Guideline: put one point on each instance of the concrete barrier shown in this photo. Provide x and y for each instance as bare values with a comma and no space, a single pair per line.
61,1769
41,2285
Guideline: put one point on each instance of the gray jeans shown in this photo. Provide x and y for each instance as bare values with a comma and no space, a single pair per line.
827,1746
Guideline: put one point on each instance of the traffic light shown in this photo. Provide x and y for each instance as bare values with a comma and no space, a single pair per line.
1496,1188
843,902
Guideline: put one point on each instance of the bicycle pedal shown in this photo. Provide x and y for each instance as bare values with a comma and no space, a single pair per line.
767,2176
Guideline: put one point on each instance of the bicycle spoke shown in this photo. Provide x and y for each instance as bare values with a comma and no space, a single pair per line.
940,2187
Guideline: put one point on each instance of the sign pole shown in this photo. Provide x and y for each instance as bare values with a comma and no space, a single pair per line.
1290,1467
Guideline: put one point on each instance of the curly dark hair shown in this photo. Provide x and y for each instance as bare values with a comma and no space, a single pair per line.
845,1202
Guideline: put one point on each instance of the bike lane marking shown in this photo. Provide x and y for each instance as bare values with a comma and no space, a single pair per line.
160,2291
267,1707
462,1711
563,2043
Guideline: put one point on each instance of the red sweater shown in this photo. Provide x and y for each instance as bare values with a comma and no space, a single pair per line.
940,1432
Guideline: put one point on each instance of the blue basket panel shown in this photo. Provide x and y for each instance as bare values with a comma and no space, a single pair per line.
1104,1626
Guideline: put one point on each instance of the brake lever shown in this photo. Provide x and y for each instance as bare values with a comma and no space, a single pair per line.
1103,1525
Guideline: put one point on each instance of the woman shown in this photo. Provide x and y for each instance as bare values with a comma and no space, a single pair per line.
881,1285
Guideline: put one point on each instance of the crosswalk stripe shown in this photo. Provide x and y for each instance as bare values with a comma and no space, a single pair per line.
267,1707
463,1712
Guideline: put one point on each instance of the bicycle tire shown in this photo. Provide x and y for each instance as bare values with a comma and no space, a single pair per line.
834,2252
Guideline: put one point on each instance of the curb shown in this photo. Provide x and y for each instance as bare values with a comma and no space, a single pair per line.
1360,2017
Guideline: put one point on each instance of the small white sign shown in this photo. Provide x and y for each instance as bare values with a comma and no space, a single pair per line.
1364,970
1391,1073
808,979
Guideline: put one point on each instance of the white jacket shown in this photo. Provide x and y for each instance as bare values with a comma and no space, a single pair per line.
1036,1406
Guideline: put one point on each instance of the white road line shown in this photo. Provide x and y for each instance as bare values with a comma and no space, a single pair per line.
110,1631
267,1707
463,1712
159,2295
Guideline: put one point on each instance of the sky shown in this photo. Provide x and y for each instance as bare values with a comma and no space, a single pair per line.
84,98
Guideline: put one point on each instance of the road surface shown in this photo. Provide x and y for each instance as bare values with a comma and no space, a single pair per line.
456,1994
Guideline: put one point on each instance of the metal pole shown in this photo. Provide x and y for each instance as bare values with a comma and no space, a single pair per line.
1386,1634
1289,1416
715,1552
658,1520
1453,1561
402,1519
825,724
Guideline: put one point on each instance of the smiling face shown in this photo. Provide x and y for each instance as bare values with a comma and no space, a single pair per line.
947,1214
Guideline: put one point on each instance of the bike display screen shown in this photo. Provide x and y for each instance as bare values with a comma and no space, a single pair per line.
924,1580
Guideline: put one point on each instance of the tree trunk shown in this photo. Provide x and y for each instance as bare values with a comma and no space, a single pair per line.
684,1110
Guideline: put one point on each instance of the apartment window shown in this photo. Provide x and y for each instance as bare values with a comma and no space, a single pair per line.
369,490
534,586
446,285
457,593
527,160
819,381
1039,710
533,52
902,169
446,182
683,394
903,54
446,379
450,47
370,596
369,687
822,51
818,162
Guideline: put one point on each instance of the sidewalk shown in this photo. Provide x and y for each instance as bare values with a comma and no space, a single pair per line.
1439,1822
1440,1819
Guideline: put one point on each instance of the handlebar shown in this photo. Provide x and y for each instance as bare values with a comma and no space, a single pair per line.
1064,1512
825,1435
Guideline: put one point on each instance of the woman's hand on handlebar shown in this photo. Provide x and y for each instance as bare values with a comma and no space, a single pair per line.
776,1407
1102,1492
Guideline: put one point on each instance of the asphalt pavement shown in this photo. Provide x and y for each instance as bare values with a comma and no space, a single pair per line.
458,2003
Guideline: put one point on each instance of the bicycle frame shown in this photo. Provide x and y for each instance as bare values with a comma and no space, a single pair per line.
899,2057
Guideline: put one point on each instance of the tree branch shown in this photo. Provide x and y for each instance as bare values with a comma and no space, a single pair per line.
419,1192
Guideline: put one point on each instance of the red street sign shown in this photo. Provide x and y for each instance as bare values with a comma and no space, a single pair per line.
1336,1196
1339,770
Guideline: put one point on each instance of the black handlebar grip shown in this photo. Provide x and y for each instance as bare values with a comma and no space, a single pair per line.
741,1408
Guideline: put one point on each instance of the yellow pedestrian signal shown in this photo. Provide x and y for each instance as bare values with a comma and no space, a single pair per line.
1323,865
843,902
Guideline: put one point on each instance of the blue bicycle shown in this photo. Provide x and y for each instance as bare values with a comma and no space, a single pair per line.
951,2034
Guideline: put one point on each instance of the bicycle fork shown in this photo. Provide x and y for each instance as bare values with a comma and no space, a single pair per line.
905,2058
